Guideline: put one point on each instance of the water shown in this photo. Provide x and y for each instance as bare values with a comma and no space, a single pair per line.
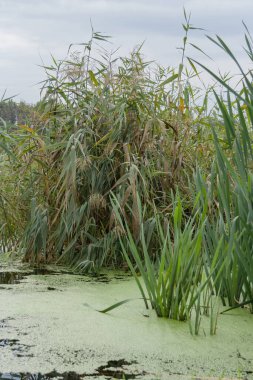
10,277
48,332
113,369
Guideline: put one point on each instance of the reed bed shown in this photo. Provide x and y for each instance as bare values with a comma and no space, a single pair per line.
127,165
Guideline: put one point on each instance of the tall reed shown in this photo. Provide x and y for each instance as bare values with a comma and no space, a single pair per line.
168,254
230,189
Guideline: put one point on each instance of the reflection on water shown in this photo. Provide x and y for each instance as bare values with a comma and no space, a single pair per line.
39,376
112,370
10,277
15,277
18,349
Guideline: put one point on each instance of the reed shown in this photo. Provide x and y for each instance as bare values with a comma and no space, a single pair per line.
229,192
127,164
171,280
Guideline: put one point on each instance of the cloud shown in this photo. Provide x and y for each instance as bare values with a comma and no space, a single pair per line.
30,28
11,41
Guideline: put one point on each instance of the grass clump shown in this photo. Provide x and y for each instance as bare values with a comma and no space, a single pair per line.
172,276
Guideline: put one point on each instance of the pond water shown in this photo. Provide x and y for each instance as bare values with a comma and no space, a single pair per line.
49,328
113,369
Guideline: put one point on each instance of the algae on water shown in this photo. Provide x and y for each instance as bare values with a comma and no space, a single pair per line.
46,330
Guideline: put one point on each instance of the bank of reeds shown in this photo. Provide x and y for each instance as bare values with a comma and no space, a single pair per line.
230,189
126,166
122,125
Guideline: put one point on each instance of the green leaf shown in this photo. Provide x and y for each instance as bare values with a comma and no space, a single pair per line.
170,79
93,78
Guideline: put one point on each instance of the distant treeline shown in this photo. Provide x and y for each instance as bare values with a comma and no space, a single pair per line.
16,113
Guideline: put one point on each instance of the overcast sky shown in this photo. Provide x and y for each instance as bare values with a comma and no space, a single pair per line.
31,29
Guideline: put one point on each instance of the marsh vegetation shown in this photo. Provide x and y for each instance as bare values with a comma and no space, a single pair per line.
126,164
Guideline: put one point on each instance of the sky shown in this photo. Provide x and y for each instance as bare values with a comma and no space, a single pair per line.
32,30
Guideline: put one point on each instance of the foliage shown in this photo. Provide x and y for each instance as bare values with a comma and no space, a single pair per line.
124,163
109,124
16,113
172,277
230,189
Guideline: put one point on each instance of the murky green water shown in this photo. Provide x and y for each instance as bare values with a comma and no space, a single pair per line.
45,326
